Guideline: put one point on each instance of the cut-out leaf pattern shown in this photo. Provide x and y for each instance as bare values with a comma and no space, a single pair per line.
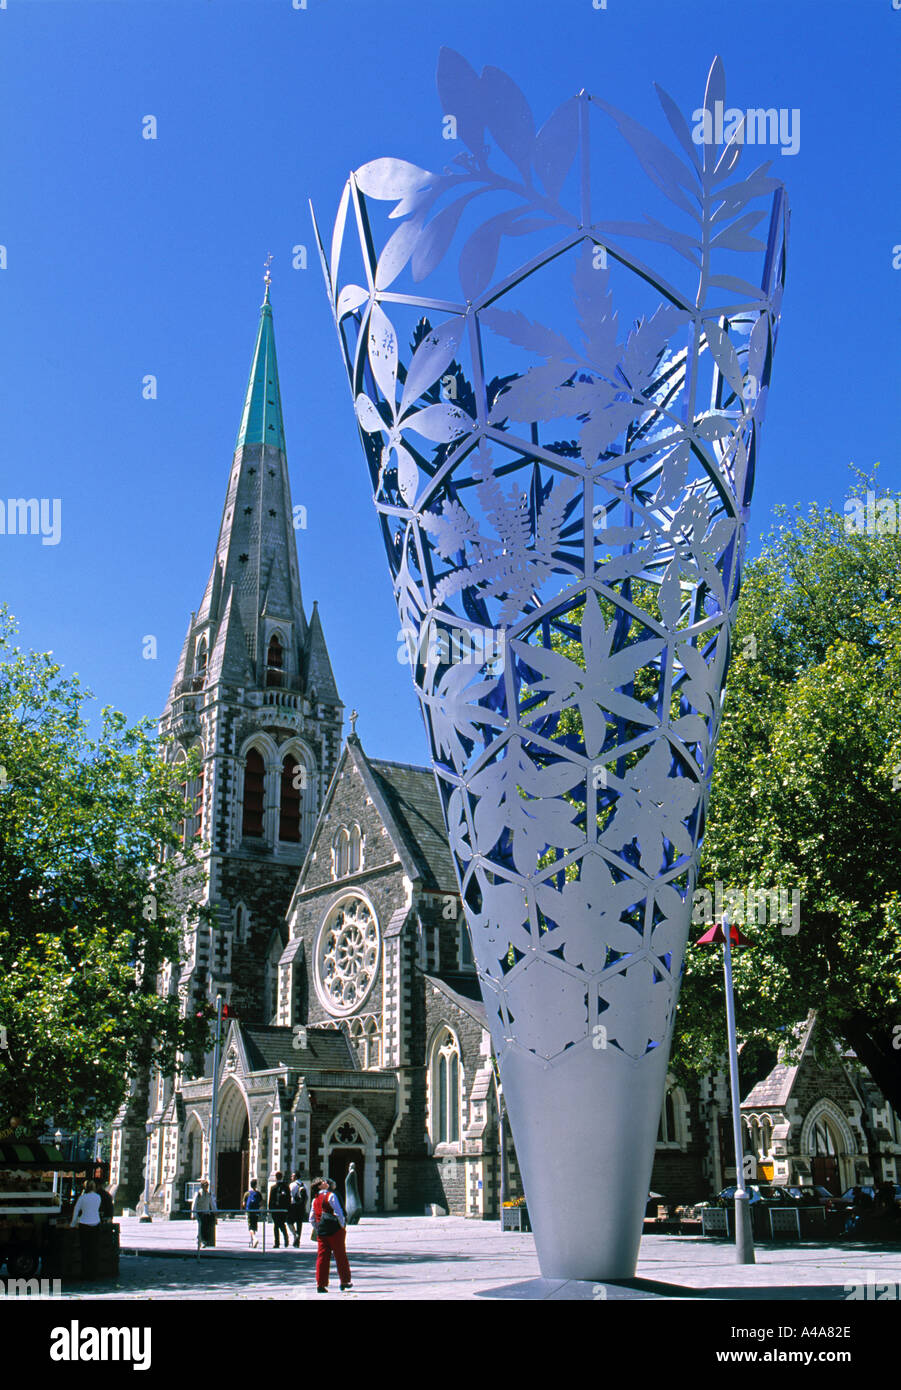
571,493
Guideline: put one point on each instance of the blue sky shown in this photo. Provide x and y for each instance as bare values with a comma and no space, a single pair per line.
128,257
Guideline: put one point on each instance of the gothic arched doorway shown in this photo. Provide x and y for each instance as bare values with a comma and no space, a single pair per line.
234,1173
824,1156
233,1150
352,1140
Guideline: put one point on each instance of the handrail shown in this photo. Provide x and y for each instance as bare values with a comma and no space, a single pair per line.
264,1211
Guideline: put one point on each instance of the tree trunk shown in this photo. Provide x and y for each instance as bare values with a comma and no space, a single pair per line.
872,1044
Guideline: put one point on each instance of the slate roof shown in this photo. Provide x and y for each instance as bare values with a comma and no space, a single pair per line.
774,1089
412,797
327,1049
462,988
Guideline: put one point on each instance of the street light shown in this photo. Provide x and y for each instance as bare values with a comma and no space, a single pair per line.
57,1139
744,1238
215,1105
98,1142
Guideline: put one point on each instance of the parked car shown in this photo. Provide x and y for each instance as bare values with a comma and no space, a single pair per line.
814,1196
757,1192
846,1200
776,1195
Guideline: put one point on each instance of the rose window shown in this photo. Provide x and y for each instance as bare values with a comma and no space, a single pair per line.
348,956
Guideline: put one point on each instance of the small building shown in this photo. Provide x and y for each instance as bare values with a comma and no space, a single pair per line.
820,1119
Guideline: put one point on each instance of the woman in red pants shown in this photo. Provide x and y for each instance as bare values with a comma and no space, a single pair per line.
329,1225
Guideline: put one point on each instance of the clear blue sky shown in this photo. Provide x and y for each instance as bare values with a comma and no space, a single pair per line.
128,257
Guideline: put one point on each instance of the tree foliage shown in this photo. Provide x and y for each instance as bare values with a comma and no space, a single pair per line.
96,894
807,797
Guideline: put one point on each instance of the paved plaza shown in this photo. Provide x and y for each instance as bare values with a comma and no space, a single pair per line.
439,1258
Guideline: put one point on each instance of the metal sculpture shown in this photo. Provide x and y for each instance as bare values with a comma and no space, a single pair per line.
564,510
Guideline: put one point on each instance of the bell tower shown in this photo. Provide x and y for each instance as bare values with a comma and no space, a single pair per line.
254,691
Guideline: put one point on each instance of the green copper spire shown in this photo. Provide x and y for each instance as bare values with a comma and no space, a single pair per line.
261,422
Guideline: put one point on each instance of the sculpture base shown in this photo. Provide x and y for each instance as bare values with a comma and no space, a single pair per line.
587,1177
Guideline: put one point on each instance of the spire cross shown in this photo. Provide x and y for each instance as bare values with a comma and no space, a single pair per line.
267,274
353,722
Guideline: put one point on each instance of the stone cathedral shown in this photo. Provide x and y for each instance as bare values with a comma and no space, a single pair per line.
356,1029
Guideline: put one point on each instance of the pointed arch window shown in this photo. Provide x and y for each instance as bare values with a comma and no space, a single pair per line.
275,662
445,1089
822,1140
183,788
354,850
373,1045
200,664
254,787
270,1002
340,852
293,776
669,1127
198,805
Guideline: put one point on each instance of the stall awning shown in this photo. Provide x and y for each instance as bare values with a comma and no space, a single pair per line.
30,1154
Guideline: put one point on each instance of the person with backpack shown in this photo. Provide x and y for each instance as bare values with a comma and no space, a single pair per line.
279,1203
297,1213
329,1228
253,1201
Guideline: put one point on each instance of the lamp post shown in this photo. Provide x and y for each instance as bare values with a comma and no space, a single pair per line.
730,936
57,1139
215,1104
145,1215
502,1141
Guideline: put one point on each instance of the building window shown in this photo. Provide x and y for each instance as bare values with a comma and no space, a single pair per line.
355,849
445,1089
270,1003
275,662
340,853
821,1140
666,1131
200,661
466,960
347,956
198,805
183,825
289,813
364,1034
254,786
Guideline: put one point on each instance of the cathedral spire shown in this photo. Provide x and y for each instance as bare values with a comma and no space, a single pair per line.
261,421
253,593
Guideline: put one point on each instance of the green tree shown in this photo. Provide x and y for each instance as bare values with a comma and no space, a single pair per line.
807,797
96,893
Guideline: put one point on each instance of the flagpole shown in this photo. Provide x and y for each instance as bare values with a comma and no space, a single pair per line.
744,1237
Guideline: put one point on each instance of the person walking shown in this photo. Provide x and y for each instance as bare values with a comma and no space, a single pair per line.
106,1202
297,1213
329,1224
253,1201
86,1217
204,1209
279,1205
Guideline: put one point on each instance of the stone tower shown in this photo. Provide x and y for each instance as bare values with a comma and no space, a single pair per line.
255,693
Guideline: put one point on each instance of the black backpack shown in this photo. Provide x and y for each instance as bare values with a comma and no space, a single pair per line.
328,1222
